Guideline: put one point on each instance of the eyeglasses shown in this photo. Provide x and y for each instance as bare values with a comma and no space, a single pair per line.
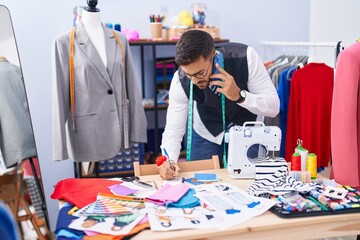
199,75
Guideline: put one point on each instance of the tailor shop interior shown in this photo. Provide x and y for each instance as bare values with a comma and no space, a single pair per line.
281,124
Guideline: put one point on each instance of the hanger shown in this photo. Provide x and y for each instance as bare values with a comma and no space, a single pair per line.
315,58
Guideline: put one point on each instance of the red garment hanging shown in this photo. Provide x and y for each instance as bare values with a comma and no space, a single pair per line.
309,114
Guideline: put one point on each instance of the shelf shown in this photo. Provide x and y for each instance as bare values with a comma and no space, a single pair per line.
120,173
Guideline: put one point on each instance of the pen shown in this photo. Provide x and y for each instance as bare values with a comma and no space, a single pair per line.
155,185
168,159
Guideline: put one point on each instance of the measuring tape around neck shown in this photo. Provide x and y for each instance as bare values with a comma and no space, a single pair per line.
190,118
224,127
189,123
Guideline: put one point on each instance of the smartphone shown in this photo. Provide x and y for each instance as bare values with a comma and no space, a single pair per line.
219,59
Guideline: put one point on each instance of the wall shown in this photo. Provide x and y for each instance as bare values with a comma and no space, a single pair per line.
37,23
334,20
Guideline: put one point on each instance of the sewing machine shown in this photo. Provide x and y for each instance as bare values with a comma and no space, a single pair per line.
247,143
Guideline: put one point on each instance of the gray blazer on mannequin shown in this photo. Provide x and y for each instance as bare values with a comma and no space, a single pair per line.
98,133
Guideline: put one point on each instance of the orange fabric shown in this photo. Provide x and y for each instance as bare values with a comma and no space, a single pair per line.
135,230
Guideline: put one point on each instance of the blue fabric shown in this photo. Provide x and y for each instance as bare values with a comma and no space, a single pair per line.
186,201
63,221
193,181
205,176
65,234
8,226
204,149
284,94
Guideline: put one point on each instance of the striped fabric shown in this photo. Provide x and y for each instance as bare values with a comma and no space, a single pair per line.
34,195
272,178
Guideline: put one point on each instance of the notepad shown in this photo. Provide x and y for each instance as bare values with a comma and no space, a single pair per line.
205,177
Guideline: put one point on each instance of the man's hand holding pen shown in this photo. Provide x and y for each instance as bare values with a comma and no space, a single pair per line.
169,170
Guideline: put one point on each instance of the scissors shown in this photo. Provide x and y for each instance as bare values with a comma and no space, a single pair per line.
136,181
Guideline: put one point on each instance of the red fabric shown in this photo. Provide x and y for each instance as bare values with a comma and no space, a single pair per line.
81,192
25,166
345,128
309,114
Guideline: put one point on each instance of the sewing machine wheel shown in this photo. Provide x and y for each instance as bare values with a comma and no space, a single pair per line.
256,151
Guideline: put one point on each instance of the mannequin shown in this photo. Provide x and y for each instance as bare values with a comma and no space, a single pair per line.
91,112
91,20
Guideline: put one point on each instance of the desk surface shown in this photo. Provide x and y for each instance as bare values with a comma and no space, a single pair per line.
264,226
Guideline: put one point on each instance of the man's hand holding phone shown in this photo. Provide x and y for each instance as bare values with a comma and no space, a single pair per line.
227,85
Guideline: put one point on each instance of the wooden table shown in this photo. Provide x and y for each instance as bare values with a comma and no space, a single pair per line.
265,226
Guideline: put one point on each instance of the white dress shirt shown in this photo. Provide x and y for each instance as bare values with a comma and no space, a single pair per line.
262,100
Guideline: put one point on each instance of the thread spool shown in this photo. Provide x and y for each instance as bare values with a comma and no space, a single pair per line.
117,27
311,165
296,162
303,154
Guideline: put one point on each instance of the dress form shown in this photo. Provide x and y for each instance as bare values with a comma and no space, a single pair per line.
94,29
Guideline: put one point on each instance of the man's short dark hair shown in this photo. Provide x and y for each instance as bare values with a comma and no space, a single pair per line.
193,44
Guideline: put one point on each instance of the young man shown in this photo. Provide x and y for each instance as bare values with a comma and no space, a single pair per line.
245,83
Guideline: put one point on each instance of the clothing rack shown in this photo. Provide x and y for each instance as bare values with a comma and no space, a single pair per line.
336,45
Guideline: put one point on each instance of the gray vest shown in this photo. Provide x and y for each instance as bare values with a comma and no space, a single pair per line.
209,104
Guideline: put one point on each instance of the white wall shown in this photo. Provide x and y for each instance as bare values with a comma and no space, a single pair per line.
334,20
37,22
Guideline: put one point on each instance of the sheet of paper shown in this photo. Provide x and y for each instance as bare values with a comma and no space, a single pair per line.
235,205
172,182
108,225
168,223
